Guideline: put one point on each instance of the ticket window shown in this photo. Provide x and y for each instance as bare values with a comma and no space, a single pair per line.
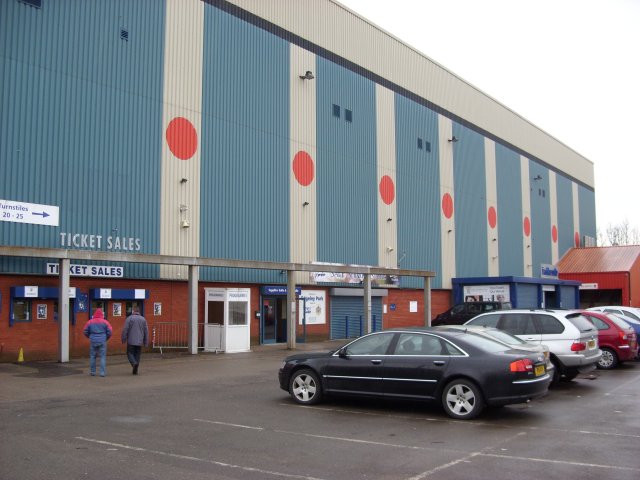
95,304
21,310
129,304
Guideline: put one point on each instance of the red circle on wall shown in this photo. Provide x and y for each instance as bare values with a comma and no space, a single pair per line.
447,205
554,234
182,138
576,239
527,226
387,189
492,217
303,168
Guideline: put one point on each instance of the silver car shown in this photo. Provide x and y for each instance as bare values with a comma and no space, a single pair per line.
571,338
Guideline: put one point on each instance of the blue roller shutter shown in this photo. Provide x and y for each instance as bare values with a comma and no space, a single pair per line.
348,313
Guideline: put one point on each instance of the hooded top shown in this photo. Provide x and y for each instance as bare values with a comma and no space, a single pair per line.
98,329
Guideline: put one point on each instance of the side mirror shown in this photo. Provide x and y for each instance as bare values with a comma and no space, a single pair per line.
342,353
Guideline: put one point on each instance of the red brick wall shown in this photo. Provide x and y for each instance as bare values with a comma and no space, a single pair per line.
39,338
402,317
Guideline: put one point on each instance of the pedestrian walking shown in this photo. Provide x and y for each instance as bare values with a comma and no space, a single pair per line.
135,334
98,330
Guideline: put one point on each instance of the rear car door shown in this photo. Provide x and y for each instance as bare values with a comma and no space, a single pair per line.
357,368
416,366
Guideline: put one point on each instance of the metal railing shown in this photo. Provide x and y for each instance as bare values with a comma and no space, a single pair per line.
174,335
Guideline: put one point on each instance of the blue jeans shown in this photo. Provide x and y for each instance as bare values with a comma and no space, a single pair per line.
101,350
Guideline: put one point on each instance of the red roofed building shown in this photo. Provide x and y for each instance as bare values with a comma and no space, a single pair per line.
610,275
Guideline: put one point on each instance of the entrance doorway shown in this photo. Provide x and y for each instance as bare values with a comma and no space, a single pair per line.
274,319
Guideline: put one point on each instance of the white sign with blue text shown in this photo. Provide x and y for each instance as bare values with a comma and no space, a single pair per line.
22,212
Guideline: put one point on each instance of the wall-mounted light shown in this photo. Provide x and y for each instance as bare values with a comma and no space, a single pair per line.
528,246
308,75
389,249
184,180
389,219
183,208
453,139
449,231
305,204
538,177
185,224
494,240
493,258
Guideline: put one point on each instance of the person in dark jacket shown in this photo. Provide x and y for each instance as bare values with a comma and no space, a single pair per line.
135,334
98,330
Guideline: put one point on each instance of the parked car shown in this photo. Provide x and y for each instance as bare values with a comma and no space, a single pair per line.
507,339
463,371
462,312
571,338
631,312
616,338
631,315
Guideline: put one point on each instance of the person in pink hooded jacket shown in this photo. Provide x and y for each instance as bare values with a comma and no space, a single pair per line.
98,330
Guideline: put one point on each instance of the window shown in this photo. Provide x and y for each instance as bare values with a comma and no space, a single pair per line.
518,324
600,325
418,344
486,321
336,110
348,115
427,146
21,310
371,345
32,3
237,313
549,324
420,143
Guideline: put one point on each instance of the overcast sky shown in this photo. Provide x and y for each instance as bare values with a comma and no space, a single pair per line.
572,67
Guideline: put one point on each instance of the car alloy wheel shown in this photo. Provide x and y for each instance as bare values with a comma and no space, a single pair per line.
462,399
608,360
305,387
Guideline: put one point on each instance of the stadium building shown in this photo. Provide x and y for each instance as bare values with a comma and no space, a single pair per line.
268,133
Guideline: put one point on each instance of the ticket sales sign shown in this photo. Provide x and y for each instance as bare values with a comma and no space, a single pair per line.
22,212
105,271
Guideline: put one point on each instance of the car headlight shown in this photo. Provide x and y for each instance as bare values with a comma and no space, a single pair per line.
283,364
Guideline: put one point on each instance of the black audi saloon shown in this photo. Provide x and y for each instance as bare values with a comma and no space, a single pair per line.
462,370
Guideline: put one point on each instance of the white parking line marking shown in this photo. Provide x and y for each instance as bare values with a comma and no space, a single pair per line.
462,422
227,424
443,467
562,462
196,459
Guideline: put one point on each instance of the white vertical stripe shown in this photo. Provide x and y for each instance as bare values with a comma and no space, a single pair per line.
576,211
491,201
527,244
182,97
302,121
447,225
553,203
386,165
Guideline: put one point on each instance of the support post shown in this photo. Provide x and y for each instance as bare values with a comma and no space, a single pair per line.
63,310
427,301
367,302
193,309
291,309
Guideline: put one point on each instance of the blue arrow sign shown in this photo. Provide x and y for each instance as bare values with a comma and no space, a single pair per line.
44,214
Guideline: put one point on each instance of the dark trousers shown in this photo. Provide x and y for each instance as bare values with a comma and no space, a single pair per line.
133,354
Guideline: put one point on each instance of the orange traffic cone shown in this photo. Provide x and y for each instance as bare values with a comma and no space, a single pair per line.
21,356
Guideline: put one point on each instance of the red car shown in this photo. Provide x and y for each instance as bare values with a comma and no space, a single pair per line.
616,339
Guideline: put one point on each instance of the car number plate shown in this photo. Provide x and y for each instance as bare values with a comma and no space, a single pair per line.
539,370
592,344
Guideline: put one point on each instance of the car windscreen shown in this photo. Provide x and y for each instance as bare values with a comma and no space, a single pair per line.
484,343
618,321
581,322
505,337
